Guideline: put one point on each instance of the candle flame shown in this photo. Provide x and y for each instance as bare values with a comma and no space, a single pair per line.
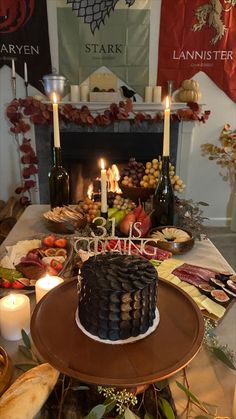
12,298
167,102
54,97
102,164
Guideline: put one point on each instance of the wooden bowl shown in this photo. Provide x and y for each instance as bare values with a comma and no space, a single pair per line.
65,227
6,370
137,194
177,248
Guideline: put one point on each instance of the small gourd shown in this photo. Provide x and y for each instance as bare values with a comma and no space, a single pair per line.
189,96
190,85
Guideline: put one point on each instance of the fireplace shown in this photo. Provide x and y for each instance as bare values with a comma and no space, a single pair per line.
83,146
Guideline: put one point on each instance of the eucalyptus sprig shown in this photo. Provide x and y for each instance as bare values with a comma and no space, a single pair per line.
27,350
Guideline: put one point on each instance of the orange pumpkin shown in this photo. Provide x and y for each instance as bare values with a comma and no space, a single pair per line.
14,14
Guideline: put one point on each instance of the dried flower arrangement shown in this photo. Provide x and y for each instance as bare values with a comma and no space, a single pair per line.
225,154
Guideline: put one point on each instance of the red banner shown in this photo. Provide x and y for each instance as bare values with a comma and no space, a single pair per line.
24,38
198,35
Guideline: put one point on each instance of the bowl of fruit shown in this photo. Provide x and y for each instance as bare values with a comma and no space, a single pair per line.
171,238
139,181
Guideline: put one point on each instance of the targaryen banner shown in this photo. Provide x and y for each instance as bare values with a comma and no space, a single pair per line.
24,37
198,35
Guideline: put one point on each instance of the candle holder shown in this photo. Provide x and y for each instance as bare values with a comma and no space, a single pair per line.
26,88
104,215
13,84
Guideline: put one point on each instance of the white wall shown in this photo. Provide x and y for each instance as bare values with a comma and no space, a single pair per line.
204,182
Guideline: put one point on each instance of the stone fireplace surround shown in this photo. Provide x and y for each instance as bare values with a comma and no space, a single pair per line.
84,145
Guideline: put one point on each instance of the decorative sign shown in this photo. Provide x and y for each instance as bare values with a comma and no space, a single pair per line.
101,243
24,38
198,35
121,44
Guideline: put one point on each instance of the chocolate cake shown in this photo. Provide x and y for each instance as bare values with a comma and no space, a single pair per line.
117,298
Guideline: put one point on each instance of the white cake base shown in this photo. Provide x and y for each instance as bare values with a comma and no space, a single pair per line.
120,342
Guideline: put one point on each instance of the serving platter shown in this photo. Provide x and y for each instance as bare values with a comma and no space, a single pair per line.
167,350
35,256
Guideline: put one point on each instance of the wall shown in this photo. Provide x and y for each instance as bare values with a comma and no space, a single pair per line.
203,183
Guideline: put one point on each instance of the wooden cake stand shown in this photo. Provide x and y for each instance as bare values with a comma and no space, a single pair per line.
168,349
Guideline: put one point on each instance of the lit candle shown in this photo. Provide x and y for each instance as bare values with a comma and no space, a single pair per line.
103,188
166,138
56,122
14,316
25,72
45,284
13,70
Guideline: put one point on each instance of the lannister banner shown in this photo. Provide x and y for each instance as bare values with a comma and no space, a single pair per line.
24,38
198,35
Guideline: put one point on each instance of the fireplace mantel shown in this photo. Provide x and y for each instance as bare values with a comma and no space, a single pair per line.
181,144
143,107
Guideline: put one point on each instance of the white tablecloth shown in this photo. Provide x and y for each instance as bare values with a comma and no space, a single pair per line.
209,379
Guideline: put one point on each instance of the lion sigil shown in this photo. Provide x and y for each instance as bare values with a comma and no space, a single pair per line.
212,14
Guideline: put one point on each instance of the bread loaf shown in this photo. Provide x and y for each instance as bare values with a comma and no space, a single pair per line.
28,393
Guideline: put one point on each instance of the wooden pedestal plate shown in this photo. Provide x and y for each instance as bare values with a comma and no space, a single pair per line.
167,350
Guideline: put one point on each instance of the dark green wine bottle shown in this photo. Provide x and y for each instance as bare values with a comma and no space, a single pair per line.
58,181
163,199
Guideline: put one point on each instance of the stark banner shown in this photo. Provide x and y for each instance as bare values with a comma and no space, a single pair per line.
94,34
24,38
198,35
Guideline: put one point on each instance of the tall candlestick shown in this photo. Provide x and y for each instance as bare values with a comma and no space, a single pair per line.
25,72
14,316
56,122
43,285
13,70
166,137
103,188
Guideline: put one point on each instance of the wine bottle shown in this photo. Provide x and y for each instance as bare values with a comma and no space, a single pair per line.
58,181
163,199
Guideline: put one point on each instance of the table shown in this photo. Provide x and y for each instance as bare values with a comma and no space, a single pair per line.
209,379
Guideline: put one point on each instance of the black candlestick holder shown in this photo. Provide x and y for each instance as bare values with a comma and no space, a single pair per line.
13,84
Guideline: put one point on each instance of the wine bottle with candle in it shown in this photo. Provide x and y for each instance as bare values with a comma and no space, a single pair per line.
163,199
58,181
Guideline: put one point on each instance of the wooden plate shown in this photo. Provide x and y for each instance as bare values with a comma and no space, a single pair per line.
174,343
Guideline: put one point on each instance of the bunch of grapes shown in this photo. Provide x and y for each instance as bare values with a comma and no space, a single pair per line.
152,174
90,208
132,173
123,203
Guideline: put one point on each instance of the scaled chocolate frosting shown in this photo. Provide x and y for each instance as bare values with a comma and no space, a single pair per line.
117,298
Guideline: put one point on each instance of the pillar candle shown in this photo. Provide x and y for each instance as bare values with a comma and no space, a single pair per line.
25,72
157,94
45,284
74,93
13,70
148,94
166,138
84,91
103,187
14,316
56,129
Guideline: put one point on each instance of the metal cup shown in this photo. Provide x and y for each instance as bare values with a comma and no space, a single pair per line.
54,83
